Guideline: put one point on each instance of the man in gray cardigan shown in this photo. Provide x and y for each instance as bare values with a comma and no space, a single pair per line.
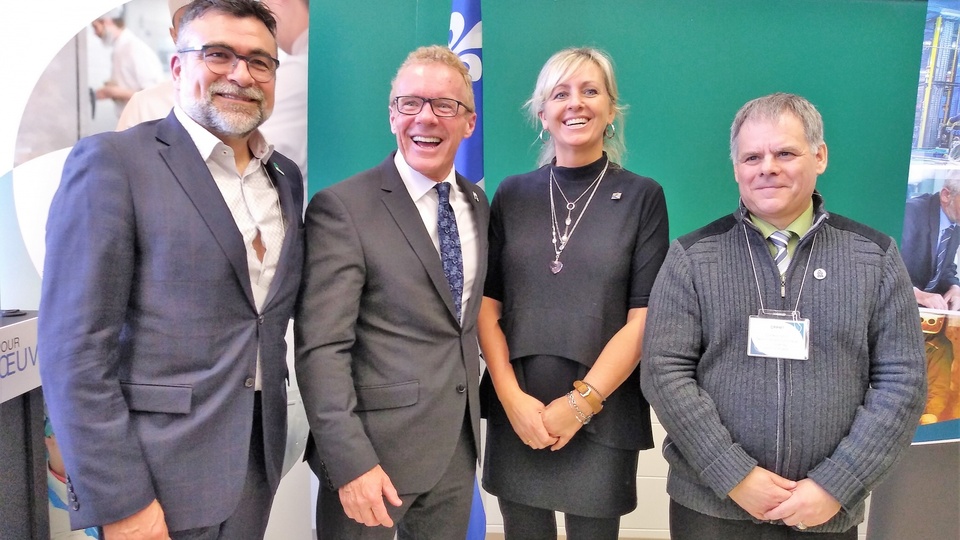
788,373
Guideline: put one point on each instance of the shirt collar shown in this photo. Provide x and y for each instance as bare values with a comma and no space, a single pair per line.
799,226
207,142
417,184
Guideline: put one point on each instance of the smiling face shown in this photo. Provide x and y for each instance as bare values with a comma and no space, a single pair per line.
576,113
776,169
232,105
427,142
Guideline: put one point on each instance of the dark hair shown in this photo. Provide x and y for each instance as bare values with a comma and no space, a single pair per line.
240,9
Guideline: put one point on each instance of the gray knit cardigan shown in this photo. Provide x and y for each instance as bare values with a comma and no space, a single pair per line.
841,418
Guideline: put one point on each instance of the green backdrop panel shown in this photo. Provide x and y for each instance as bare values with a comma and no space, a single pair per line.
684,68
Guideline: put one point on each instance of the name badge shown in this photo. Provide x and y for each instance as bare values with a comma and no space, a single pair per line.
772,337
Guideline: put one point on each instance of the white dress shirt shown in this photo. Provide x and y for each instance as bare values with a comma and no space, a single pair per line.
252,199
421,190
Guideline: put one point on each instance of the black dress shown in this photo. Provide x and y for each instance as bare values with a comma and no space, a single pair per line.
556,325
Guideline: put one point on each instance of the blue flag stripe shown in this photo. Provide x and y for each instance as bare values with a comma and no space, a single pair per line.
466,40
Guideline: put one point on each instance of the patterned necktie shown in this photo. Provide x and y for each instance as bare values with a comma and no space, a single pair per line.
450,253
779,239
945,238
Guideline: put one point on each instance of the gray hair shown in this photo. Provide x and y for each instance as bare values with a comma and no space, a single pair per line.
771,108
952,182
560,66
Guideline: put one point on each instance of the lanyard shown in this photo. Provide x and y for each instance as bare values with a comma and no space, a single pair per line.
756,277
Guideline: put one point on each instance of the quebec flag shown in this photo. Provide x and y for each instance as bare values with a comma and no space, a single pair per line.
466,40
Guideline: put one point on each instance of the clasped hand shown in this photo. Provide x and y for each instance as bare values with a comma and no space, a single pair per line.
770,497
525,413
540,426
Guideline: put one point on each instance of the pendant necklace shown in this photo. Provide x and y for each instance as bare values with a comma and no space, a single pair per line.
560,240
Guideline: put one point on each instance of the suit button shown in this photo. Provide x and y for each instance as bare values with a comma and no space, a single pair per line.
461,388
75,506
248,383
260,319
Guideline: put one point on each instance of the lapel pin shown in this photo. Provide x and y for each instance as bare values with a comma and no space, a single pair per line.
476,198
277,167
819,273
615,196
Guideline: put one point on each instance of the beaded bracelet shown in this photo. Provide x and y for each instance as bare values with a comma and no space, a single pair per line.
582,418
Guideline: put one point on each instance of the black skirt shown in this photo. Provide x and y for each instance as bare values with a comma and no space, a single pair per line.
584,478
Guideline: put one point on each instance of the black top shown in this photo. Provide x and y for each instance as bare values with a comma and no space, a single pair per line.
609,266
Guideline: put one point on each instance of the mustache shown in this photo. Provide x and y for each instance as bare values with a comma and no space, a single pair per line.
224,87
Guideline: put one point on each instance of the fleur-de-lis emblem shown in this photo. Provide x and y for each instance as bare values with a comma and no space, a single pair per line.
461,42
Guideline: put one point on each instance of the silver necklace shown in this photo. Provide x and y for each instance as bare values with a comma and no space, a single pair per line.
560,241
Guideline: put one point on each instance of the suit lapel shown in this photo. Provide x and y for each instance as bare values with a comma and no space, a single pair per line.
181,155
405,214
481,217
291,223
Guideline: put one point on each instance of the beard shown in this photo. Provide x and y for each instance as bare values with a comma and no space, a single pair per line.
108,38
234,120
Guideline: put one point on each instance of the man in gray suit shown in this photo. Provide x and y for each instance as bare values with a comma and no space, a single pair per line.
387,355
174,252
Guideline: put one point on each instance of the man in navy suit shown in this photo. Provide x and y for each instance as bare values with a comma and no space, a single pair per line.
174,252
929,221
387,355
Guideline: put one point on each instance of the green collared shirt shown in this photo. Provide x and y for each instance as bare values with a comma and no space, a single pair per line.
798,228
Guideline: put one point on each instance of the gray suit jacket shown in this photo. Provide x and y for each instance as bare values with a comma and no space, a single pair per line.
386,371
149,331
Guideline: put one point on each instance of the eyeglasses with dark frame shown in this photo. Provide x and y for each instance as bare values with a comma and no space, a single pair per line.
223,60
442,107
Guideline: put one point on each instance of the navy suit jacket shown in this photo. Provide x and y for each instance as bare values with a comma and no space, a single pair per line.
387,372
921,235
149,332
